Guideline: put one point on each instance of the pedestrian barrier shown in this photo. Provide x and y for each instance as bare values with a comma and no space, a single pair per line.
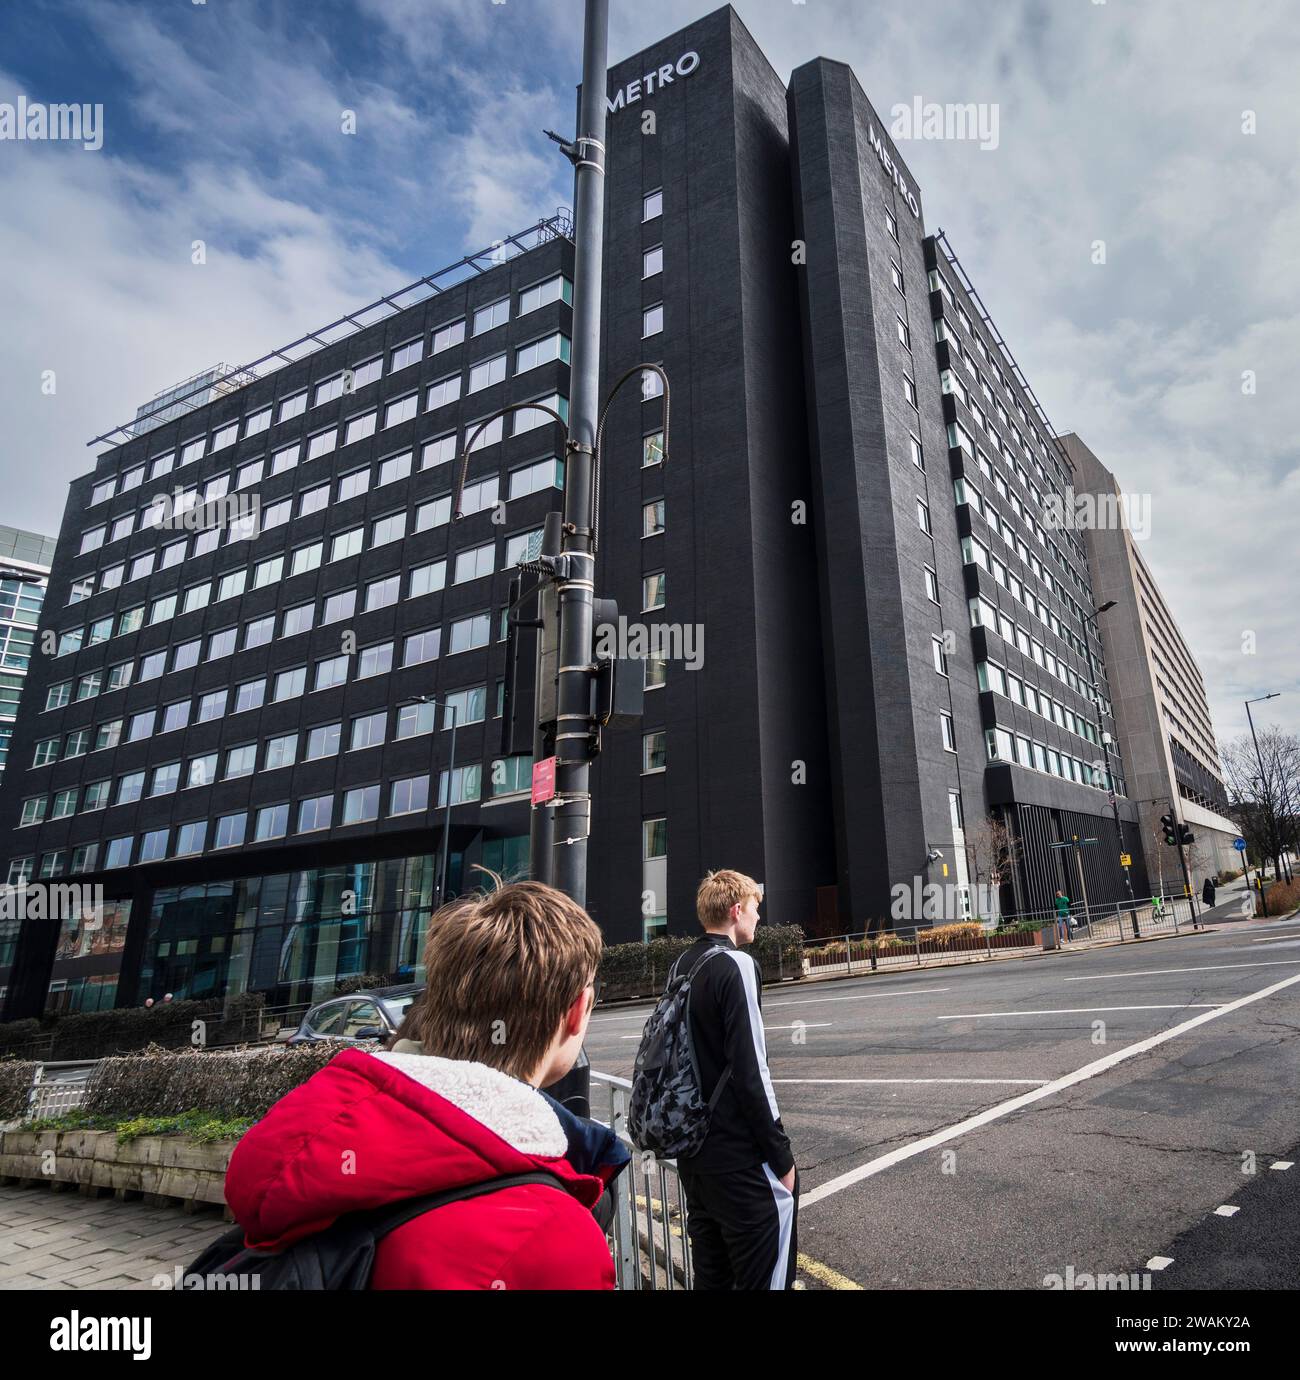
647,1234
58,1088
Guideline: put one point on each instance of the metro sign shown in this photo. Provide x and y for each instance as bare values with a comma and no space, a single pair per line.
646,85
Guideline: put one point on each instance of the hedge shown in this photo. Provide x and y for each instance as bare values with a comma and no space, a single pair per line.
640,970
238,1085
15,1084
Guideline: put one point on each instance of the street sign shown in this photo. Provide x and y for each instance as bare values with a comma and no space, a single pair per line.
1239,845
543,780
1126,860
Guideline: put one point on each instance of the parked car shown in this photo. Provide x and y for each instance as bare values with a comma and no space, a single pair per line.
360,1017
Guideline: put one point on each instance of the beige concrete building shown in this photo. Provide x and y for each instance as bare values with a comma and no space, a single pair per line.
1162,716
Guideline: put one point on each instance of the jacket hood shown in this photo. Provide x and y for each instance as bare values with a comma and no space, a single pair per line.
371,1129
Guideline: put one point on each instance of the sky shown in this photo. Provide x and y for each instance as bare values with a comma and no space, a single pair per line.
1161,136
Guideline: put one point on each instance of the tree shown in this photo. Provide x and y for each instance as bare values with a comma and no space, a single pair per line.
993,851
1264,806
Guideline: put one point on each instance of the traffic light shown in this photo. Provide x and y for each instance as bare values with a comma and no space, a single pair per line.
1170,832
1184,835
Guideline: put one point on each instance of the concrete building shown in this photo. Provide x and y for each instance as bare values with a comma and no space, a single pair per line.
1161,711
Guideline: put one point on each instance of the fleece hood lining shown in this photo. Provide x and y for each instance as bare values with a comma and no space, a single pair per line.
517,1113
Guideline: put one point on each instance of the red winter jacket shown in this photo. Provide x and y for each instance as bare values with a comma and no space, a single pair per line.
369,1129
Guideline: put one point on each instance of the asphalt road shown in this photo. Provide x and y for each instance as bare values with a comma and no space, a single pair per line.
1112,1157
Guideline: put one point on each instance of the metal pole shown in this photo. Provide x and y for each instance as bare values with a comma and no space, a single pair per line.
1182,861
572,809
1110,780
541,823
446,817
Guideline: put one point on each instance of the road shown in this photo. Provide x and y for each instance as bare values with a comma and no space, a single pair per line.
995,1125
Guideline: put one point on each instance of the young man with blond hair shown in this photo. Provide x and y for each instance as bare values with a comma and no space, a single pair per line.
453,1105
741,1188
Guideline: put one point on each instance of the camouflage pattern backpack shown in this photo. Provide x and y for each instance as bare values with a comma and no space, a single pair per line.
667,1113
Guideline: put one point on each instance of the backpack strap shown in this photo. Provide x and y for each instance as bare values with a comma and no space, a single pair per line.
725,1076
387,1219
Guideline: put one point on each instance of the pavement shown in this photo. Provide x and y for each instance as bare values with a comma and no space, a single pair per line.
60,1240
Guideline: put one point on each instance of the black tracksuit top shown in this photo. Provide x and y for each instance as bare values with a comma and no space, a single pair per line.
727,1028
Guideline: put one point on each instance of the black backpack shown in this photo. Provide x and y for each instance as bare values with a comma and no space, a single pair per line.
667,1114
340,1257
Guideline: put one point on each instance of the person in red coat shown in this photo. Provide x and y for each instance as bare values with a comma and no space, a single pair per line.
456,1101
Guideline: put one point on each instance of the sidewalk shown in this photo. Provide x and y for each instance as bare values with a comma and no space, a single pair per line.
61,1240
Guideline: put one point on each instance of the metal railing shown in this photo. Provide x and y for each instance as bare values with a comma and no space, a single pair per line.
58,1088
647,1234
922,946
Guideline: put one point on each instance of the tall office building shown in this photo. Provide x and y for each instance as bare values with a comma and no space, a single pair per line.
25,559
859,639
1161,710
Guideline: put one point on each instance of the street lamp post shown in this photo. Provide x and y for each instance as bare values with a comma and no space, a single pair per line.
1110,780
1263,789
451,781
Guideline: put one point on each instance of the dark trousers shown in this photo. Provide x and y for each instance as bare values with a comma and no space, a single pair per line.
742,1229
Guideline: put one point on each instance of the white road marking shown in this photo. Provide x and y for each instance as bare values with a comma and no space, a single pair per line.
1034,1082
800,1001
1157,1262
798,1025
1281,1164
1207,968
919,1147
1226,1211
1078,1010
1276,939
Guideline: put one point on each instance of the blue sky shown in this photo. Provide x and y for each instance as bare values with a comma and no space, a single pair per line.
1120,122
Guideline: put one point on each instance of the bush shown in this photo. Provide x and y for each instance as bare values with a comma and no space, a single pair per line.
640,970
202,1127
15,1084
239,1084
92,1034
360,982
1282,897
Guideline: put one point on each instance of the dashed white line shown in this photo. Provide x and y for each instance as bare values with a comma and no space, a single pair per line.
798,1025
1227,1210
1282,1164
1079,1010
1207,968
1160,1262
1014,1104
1032,1082
800,1001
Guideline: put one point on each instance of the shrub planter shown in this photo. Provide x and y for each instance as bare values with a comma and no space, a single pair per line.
173,1167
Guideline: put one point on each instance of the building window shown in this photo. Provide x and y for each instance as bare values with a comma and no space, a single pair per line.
322,443
360,805
358,428
413,720
918,455
281,752
653,591
904,335
554,289
447,336
190,838
656,672
652,449
469,633
949,737
940,660
395,467
331,672
338,606
466,785
652,518
652,205
401,409
119,852
441,393
316,813
423,646
923,515
322,741
534,478
428,579
289,684
272,823
368,731
469,706
493,315
230,831
344,545
165,779
475,563
896,277
409,795
654,839
909,390
410,353
652,320
375,661
544,351
654,751
652,261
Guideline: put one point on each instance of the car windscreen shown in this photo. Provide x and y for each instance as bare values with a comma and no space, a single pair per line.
396,1006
